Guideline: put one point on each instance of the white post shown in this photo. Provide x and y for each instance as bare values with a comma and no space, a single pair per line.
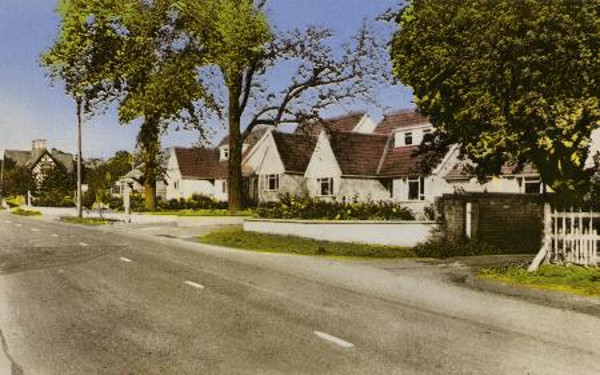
546,240
127,203
468,220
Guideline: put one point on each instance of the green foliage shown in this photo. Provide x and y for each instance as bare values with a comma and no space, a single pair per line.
22,212
86,221
442,249
239,239
195,202
307,208
17,180
101,178
510,81
17,201
56,189
578,280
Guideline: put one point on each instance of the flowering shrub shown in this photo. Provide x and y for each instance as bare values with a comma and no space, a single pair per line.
307,208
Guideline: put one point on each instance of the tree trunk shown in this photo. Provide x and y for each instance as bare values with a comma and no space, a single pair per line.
150,194
149,142
79,158
236,201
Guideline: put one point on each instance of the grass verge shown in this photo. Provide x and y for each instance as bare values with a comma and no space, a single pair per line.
191,213
239,239
22,212
85,221
577,280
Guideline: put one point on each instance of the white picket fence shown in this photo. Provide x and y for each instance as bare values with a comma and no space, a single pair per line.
569,238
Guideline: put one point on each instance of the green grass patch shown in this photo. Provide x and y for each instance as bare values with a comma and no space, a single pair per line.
237,238
86,221
577,280
190,213
22,212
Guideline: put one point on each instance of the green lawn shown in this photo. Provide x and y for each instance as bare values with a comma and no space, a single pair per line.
22,212
237,238
578,280
85,221
190,213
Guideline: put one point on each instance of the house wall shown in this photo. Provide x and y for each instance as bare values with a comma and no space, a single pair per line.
292,184
188,187
323,164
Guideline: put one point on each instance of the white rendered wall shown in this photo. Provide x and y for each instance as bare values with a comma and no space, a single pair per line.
406,233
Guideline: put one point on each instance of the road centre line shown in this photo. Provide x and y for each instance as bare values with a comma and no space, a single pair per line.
18,225
83,244
194,285
54,235
333,339
7,222
126,260
35,230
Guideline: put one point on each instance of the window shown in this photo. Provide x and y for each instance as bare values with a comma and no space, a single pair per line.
416,189
224,153
272,182
408,138
531,185
325,186
225,187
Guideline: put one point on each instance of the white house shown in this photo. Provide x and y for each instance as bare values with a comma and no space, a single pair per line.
277,165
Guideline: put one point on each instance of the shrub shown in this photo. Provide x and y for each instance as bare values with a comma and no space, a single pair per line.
22,212
307,208
195,202
439,248
15,202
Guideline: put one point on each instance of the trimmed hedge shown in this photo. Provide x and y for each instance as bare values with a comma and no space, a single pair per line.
307,208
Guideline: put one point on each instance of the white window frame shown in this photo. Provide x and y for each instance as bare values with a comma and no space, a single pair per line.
420,186
328,181
225,187
268,179
225,153
408,135
524,181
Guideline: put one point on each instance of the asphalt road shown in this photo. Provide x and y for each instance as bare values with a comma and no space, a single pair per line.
75,300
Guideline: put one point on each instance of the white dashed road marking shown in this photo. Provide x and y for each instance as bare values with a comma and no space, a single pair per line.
54,235
35,230
18,225
83,244
194,285
7,222
126,260
333,339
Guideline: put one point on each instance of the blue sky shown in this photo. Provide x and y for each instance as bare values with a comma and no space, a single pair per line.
30,108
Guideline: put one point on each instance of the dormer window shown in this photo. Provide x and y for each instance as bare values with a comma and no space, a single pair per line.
224,153
408,138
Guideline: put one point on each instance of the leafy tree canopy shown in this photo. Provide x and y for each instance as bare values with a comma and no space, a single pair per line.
510,81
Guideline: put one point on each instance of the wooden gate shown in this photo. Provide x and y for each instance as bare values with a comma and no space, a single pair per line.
569,237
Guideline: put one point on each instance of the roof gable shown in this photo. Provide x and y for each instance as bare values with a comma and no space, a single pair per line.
344,123
295,150
358,154
400,120
200,163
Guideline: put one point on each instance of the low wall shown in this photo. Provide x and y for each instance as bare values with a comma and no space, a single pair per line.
390,233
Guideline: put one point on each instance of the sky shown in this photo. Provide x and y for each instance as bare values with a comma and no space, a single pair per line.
30,108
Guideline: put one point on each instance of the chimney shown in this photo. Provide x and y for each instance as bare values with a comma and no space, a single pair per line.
39,144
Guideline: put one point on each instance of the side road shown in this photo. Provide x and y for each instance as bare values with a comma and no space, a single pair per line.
114,300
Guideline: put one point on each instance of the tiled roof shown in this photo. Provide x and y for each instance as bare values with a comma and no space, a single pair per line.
402,162
254,137
29,158
201,163
358,154
345,123
461,171
400,119
295,150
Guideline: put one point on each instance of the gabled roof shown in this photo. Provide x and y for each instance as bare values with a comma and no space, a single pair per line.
253,137
295,150
358,154
462,171
201,163
400,119
403,162
344,123
29,158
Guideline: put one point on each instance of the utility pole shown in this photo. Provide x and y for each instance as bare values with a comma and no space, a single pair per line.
79,158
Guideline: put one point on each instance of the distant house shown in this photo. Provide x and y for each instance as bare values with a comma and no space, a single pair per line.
133,180
202,170
39,160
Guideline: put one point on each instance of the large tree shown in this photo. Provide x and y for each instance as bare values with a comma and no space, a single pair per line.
242,53
136,51
512,82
